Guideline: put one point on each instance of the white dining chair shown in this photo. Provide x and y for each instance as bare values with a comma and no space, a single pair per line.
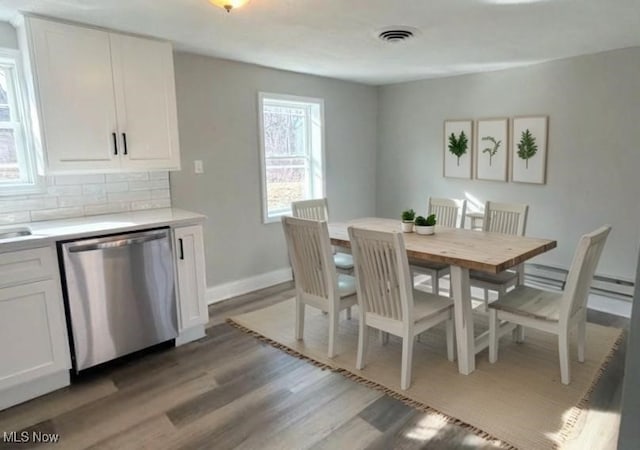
318,209
387,300
317,283
449,213
505,218
553,312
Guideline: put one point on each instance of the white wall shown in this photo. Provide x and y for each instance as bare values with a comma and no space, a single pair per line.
218,119
594,148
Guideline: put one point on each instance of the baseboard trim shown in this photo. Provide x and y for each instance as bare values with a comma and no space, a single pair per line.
35,388
190,335
239,287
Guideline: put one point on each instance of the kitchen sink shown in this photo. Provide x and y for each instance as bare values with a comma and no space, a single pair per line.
14,233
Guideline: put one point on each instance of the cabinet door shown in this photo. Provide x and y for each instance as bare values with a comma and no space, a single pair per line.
146,102
191,270
77,104
33,333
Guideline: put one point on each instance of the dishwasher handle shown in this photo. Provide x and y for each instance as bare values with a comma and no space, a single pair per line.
116,243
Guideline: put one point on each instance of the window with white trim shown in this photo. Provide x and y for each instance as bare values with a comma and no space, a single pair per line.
17,167
292,152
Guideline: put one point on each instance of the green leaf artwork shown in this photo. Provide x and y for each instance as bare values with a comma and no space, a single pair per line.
458,146
491,150
527,147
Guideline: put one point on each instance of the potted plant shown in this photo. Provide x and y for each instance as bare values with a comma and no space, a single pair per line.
426,225
407,220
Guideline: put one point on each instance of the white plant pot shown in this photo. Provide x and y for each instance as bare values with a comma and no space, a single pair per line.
407,227
425,230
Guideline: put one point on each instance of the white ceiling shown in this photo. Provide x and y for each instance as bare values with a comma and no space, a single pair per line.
337,38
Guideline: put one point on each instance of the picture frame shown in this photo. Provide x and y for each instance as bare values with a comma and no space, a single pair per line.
492,149
458,149
529,142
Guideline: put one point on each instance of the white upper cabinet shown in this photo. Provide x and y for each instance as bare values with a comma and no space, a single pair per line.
77,105
105,101
145,101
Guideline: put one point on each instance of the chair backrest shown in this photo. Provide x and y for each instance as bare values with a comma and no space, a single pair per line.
583,267
311,256
447,211
506,218
382,273
317,209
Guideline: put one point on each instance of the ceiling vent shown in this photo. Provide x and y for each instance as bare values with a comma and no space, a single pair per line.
397,34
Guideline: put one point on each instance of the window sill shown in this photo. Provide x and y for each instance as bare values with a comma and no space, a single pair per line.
23,189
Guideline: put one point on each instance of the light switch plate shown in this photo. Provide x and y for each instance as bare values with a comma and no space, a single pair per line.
198,166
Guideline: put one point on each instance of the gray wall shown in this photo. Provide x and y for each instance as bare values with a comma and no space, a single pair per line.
218,119
629,438
594,147
8,38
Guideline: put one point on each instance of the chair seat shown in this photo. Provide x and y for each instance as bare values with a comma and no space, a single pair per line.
426,305
530,302
502,278
343,261
346,285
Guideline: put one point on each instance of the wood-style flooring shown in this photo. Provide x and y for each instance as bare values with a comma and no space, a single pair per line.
229,390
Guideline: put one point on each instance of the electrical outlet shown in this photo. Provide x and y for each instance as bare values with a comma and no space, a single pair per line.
198,166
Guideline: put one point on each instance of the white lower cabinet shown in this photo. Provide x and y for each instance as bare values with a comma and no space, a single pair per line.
191,282
34,349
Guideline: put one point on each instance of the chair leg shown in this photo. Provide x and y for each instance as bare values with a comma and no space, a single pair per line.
349,313
563,350
486,299
334,315
435,283
493,336
363,341
451,340
384,337
582,335
407,361
299,319
518,334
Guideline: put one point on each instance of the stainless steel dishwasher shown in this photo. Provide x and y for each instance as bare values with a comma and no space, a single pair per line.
120,293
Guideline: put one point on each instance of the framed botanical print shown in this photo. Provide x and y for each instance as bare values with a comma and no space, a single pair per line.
492,144
529,149
458,141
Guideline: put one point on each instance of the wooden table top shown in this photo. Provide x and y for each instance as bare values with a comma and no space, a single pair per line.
477,250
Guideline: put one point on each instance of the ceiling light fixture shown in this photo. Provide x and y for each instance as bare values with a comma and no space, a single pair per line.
397,34
229,4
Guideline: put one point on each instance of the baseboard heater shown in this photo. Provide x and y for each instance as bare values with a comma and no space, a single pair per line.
556,278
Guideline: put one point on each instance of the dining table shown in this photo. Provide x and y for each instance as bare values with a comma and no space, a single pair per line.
464,251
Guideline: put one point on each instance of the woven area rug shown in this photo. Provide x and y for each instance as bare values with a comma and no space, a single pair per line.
518,401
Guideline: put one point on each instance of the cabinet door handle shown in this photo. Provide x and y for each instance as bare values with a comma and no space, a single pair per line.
124,141
115,143
181,249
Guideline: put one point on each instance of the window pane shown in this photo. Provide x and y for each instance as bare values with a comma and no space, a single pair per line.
287,181
285,130
5,115
9,169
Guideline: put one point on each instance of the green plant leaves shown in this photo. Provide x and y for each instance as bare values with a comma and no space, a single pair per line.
527,147
491,150
458,146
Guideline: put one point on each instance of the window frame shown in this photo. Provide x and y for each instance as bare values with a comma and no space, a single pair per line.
20,123
287,98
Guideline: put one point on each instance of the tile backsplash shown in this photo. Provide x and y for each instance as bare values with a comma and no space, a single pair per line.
87,195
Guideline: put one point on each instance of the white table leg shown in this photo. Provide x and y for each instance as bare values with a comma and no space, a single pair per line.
463,319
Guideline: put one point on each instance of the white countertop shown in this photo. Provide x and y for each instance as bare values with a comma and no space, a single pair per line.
44,233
